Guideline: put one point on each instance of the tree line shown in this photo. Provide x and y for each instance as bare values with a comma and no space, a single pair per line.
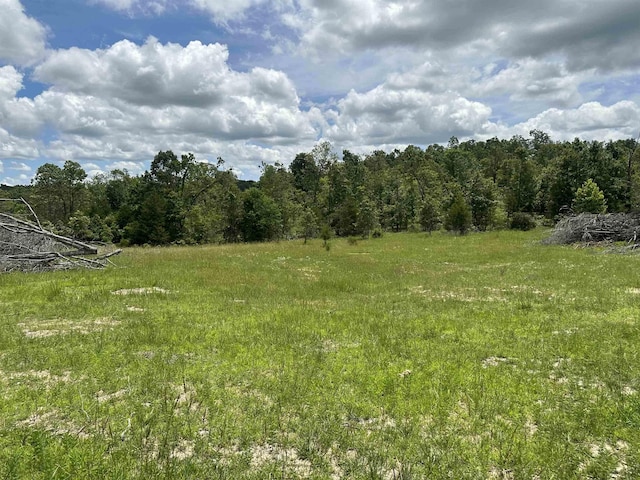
463,186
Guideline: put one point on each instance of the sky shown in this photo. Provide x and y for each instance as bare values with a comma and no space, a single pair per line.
110,83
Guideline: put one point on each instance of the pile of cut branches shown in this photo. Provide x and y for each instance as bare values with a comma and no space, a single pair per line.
597,228
26,246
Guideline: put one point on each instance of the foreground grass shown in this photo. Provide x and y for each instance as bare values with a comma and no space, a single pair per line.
487,356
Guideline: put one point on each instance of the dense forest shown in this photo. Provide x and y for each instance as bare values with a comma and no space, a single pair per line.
464,186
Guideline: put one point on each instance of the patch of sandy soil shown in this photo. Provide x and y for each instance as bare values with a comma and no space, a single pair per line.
329,345
50,328
184,450
139,291
618,452
103,397
465,295
185,400
370,425
266,454
54,422
495,361
39,377
244,390
484,294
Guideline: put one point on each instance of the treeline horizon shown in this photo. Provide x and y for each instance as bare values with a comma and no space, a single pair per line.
463,186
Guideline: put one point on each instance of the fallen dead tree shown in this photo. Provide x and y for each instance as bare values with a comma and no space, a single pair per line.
27,246
597,228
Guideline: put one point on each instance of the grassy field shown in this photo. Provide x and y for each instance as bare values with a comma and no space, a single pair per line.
409,356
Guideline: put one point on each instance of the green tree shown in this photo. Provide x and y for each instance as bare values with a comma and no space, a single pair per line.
517,179
306,174
589,199
367,218
482,201
459,215
59,192
324,156
345,217
278,184
261,219
308,227
430,215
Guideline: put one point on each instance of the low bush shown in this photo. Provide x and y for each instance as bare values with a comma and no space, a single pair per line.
522,221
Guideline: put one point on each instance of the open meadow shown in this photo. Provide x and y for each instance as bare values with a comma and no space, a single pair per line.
405,357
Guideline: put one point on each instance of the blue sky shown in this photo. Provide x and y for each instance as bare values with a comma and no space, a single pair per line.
109,83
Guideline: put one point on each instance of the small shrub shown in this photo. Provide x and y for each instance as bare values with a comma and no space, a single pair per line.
547,222
326,233
522,221
352,240
500,219
377,233
589,199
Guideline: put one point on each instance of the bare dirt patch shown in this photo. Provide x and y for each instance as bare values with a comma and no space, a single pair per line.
37,378
463,295
184,450
370,425
618,453
246,391
140,291
328,345
54,422
495,361
103,397
50,328
266,454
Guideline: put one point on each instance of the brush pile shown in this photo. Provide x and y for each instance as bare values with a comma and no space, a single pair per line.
26,246
597,228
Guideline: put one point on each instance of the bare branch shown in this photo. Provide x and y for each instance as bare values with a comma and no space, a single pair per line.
32,212
25,246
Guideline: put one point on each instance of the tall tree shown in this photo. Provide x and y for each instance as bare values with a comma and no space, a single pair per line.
278,184
306,174
261,219
482,200
59,192
459,215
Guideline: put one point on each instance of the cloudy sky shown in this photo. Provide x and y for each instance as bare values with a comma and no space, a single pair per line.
109,83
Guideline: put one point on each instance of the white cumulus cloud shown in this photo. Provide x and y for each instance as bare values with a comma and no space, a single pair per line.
161,89
127,102
386,116
22,38
590,121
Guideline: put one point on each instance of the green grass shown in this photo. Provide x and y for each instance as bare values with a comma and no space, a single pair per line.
409,356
